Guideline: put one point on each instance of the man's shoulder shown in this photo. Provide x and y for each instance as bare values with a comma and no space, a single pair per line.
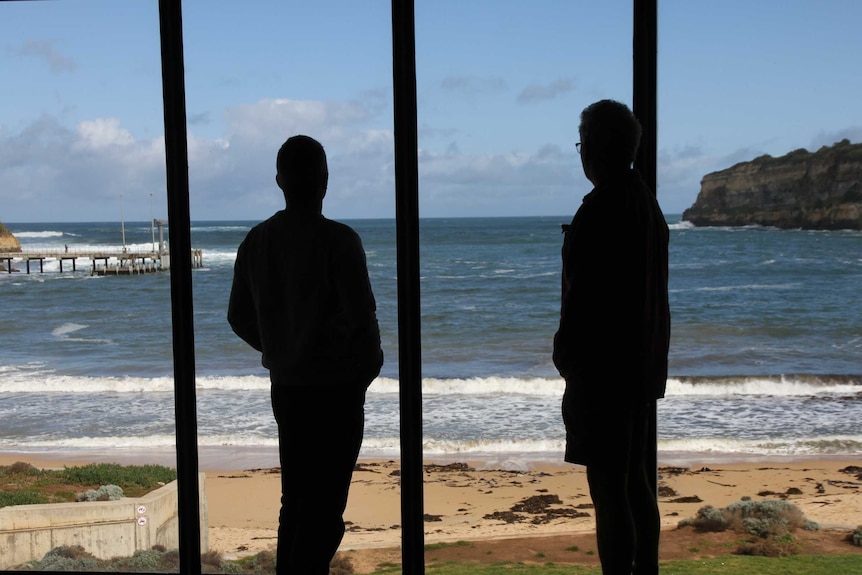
339,229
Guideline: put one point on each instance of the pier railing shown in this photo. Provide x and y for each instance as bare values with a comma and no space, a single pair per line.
113,262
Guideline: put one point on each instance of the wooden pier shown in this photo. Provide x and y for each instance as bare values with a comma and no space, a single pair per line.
112,262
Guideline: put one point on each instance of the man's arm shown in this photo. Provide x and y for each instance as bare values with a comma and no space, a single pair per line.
241,312
360,307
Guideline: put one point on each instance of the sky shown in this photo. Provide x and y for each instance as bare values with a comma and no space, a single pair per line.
500,85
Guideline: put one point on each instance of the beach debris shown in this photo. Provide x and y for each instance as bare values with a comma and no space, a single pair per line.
505,516
540,507
844,484
666,491
365,467
671,471
437,468
536,503
687,499
851,469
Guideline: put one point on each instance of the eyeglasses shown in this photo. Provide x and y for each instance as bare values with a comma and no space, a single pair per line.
578,147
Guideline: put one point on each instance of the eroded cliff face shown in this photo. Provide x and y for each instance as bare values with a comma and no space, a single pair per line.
8,242
820,191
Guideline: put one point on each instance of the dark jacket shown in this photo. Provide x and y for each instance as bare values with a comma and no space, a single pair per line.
614,330
301,295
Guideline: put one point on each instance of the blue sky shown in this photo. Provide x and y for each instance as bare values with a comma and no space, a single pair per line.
500,87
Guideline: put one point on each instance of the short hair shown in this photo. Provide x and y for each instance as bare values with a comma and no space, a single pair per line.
612,131
301,165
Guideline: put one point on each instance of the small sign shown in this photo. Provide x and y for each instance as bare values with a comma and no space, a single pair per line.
142,521
142,509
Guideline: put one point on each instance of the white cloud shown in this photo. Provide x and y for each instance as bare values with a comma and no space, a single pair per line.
103,133
51,172
537,92
44,50
473,85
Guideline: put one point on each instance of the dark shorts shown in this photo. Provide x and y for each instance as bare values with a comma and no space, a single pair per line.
604,431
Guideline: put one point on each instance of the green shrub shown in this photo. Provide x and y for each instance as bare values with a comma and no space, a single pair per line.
262,563
116,474
9,498
68,558
103,493
708,520
147,560
20,480
22,468
766,518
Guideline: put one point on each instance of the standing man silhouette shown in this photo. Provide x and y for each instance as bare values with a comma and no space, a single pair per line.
302,297
612,343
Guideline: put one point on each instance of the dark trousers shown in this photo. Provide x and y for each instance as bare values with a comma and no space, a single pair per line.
628,525
319,434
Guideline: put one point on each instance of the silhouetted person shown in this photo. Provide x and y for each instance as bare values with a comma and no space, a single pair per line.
612,343
302,297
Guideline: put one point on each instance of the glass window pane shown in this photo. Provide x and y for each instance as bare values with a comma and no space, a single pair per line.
86,391
764,316
255,77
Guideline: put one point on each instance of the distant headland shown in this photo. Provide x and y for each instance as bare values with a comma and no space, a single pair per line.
8,242
800,190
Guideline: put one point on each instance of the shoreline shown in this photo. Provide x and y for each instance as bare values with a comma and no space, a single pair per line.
469,499
220,458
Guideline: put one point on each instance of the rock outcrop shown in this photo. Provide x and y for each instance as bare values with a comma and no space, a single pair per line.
801,190
8,242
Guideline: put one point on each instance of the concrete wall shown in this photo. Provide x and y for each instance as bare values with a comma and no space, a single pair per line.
104,528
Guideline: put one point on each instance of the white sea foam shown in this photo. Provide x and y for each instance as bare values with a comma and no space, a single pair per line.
784,286
67,328
391,446
42,234
828,444
758,386
681,225
37,379
495,386
219,228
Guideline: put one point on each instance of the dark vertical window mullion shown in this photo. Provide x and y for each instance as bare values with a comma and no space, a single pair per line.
645,106
407,237
176,159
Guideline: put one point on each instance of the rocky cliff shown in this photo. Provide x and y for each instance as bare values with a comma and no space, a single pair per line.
819,191
8,242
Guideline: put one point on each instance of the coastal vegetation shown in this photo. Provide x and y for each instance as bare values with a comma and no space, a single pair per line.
23,484
160,560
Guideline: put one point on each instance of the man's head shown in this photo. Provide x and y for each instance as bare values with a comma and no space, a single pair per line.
301,171
610,135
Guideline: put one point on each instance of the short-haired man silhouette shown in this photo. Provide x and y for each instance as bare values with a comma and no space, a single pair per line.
301,296
612,343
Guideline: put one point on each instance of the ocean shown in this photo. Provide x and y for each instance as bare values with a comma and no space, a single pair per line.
765,360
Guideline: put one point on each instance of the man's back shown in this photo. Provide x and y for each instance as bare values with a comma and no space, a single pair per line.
302,297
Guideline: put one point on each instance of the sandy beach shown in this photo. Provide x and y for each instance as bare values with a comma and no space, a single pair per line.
464,501
472,501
